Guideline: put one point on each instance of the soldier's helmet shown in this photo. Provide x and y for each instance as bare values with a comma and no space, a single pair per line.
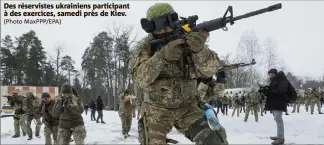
159,9
66,88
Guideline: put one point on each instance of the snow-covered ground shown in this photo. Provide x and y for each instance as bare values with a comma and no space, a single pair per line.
302,128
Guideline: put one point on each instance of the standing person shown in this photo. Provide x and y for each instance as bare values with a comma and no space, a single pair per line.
225,101
298,101
277,102
51,122
31,106
315,100
237,105
125,112
69,107
17,100
169,74
252,101
86,107
322,98
92,106
100,107
243,100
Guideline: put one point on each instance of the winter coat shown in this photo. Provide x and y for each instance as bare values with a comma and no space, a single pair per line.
276,94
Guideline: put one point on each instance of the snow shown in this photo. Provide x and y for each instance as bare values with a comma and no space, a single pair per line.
302,128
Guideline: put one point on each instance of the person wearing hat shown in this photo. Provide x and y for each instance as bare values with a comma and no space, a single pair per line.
315,100
277,102
51,122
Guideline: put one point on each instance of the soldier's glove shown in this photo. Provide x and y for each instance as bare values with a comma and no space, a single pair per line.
221,77
170,51
197,40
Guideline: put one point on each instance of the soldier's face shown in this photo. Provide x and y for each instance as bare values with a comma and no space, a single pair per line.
163,31
46,100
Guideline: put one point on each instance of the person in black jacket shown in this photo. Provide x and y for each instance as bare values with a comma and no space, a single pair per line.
92,106
86,107
276,101
100,107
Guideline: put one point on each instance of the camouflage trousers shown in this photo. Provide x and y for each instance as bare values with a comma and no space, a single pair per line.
254,108
236,108
28,125
317,103
126,120
307,103
20,122
296,105
156,123
50,130
64,135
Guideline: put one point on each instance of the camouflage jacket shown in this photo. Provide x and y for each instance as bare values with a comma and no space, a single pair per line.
17,102
47,118
125,105
253,98
70,115
31,104
207,92
225,100
170,84
314,95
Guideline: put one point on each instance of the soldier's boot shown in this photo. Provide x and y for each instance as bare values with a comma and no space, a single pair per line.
37,135
320,113
293,112
103,122
278,142
287,113
24,134
97,121
273,138
16,136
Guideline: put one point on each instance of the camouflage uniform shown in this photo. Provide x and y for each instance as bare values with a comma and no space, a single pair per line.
170,85
237,106
299,101
139,99
225,101
307,100
69,108
31,106
315,99
252,101
208,92
19,118
125,112
51,122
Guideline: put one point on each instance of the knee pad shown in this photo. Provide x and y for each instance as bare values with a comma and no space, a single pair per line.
200,133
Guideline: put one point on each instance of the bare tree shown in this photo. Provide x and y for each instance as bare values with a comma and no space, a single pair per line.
269,46
59,49
249,48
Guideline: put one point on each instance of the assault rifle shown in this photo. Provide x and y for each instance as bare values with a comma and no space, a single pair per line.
186,25
235,66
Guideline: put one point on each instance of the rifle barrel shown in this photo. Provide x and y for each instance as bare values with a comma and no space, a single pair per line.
257,12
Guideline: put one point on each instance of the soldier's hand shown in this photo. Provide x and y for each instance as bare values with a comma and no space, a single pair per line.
170,51
197,40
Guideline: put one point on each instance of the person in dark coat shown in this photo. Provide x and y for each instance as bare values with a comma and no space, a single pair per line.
276,101
86,107
100,107
92,106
